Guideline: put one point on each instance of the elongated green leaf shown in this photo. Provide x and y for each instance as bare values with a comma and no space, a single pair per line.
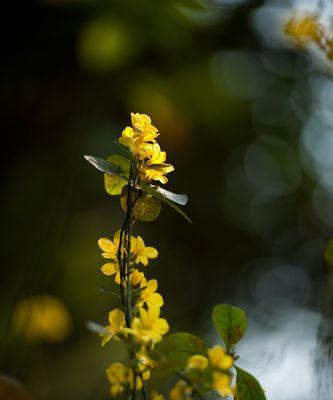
105,166
247,387
181,199
154,192
230,322
175,350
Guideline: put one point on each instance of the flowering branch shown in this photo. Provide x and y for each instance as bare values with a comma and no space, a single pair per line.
138,323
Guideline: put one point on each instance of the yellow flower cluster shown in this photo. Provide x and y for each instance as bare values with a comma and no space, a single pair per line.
141,141
306,30
216,366
140,254
120,376
147,328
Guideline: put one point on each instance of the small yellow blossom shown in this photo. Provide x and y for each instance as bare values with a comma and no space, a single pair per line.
149,328
142,123
219,358
155,395
148,294
42,318
155,168
197,362
304,29
142,252
117,376
136,277
222,383
121,377
109,247
117,324
180,391
138,137
145,364
112,269
144,361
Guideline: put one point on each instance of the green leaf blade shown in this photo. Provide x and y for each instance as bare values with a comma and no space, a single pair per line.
105,166
230,322
113,184
174,351
180,199
247,387
153,191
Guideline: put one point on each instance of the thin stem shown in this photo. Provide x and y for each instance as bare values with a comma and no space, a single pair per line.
120,262
128,223
144,391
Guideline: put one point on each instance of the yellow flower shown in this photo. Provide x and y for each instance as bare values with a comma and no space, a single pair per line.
149,328
155,168
155,395
180,391
144,361
117,323
136,277
111,269
197,362
143,253
219,358
120,376
148,294
110,248
138,138
142,123
304,29
117,376
222,383
42,318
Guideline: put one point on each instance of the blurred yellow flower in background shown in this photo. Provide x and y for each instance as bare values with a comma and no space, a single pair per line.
197,362
219,358
42,318
222,383
303,29
117,376
180,391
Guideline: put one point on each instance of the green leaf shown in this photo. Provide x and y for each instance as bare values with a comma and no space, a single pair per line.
105,166
175,350
147,208
113,183
155,193
181,199
247,387
230,322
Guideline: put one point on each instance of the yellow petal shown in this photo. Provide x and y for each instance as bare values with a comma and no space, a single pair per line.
106,245
155,299
116,319
110,268
151,252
